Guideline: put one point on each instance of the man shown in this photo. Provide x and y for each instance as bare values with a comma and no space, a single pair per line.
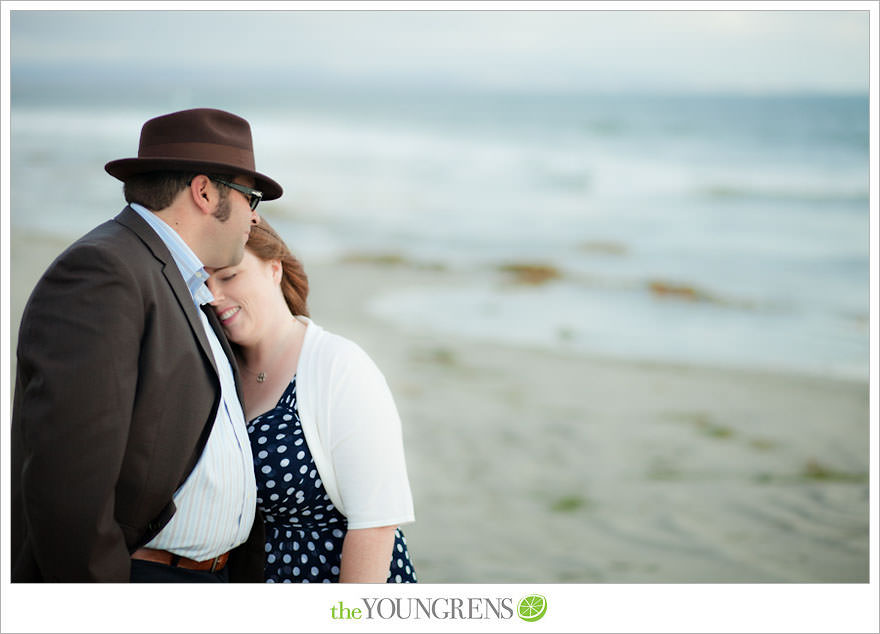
130,456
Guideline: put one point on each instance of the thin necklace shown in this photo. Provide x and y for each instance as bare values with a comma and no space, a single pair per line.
262,375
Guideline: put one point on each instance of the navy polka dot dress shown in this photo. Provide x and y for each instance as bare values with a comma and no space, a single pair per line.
304,531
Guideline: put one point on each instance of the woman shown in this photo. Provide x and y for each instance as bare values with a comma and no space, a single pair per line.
325,433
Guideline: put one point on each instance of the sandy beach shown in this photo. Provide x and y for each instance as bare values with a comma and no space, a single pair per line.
537,466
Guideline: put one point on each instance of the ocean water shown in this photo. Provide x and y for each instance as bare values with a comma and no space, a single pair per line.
719,230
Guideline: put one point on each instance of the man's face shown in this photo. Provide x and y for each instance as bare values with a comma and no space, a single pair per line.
232,221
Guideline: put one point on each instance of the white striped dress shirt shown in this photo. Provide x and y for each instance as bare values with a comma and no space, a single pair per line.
217,502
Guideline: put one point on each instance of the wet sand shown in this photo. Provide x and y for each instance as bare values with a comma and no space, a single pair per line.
547,467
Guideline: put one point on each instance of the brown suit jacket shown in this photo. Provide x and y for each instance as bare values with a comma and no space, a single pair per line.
115,396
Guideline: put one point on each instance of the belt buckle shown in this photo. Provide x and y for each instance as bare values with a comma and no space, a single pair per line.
214,563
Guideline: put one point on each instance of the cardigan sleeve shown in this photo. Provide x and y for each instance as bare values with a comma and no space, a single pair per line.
365,441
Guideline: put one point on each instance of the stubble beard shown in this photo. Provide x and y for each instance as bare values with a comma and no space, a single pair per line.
222,215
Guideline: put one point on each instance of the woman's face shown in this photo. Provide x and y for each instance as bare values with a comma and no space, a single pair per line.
245,296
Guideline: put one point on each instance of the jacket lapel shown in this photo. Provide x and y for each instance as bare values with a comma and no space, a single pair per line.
227,349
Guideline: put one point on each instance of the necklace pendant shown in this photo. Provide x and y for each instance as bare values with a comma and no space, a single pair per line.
261,377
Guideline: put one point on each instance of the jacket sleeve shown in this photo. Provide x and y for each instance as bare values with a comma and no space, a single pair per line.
78,356
366,443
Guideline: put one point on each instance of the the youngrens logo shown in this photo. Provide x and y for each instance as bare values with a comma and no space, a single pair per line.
530,608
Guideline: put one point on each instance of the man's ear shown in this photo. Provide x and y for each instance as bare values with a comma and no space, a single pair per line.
202,193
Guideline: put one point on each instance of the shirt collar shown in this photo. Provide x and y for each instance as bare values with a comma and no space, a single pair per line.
188,263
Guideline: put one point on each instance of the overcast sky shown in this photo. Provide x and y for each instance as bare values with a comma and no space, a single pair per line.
753,51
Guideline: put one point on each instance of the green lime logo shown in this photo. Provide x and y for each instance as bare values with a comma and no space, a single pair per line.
532,608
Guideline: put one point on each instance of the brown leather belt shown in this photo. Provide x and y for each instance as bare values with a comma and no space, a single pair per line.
170,559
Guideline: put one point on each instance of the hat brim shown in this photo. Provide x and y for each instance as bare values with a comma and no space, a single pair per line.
123,168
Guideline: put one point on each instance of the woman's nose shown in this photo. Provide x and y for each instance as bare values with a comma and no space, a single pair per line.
215,291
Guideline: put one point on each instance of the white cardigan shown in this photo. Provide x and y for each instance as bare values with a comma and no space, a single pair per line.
353,430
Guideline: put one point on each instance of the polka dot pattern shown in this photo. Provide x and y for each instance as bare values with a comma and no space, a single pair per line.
304,531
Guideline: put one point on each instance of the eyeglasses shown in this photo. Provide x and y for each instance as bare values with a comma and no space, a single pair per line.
254,196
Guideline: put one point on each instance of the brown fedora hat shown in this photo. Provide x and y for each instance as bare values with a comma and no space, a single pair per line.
195,140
